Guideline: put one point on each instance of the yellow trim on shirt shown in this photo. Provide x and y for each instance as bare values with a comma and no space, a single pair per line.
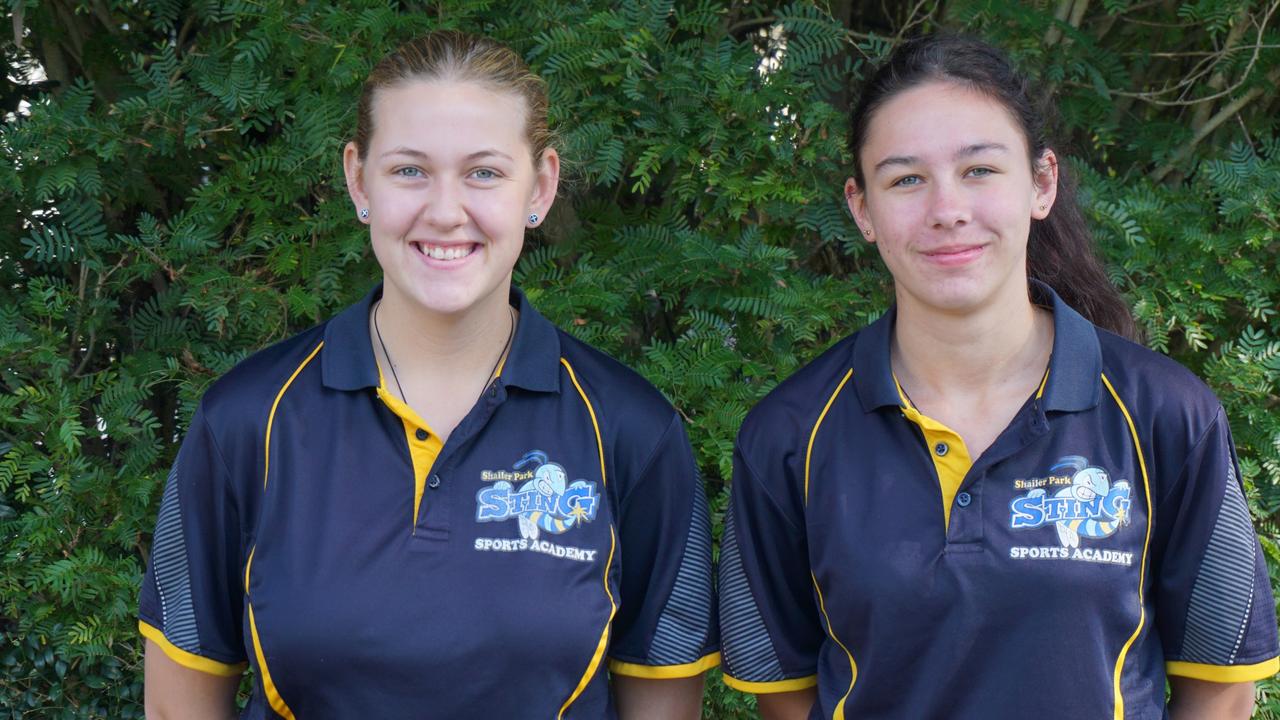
604,634
269,689
422,453
603,645
773,686
813,436
1118,711
266,463
665,672
591,411
814,433
188,659
1223,673
951,467
838,714
268,686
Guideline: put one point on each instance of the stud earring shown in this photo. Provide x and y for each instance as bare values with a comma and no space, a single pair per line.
364,213
533,218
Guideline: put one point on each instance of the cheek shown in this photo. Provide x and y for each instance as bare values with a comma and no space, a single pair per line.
499,213
399,209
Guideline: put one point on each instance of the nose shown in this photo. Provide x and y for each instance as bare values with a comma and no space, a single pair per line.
948,206
444,205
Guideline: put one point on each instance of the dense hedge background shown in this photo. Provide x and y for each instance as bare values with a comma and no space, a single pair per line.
171,199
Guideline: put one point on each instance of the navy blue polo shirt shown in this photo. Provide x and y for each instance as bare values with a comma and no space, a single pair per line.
315,528
1101,543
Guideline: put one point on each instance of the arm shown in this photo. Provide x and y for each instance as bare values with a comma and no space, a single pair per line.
794,705
1198,699
646,699
174,691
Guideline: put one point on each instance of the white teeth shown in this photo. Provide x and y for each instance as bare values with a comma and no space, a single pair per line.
450,253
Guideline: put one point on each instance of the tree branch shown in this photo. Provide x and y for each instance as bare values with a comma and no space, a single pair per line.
1212,124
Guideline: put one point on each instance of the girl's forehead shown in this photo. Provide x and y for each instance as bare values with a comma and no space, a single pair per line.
940,118
448,114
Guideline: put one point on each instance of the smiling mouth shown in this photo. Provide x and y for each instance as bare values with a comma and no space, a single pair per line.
957,250
445,252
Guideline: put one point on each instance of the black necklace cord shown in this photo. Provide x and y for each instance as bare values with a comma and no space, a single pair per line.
391,363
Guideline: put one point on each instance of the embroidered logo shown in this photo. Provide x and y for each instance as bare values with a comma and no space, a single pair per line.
544,502
1084,504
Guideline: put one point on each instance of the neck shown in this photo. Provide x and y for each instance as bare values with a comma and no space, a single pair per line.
422,343
941,354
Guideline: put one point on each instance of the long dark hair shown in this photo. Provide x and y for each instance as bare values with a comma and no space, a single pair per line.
1060,249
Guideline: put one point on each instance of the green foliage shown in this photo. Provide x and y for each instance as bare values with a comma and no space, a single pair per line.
173,200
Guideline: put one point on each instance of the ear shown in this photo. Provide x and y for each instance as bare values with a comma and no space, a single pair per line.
353,169
857,202
1044,182
546,183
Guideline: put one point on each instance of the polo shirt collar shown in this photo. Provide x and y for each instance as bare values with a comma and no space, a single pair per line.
347,361
1075,367
534,361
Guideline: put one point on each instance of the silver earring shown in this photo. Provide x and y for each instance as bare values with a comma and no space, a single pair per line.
533,218
364,213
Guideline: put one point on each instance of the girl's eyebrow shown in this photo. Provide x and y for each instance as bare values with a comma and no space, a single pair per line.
487,152
981,147
966,151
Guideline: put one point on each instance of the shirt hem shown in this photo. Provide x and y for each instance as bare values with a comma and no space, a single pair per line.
772,686
1223,673
189,659
665,672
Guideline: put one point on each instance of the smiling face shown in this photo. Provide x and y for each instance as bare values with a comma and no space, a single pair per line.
949,197
449,182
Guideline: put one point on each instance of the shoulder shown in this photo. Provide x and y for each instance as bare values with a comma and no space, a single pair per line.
620,396
1170,411
639,429
242,398
785,416
1156,390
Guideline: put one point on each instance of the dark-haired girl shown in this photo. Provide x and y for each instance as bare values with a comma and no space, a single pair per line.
989,503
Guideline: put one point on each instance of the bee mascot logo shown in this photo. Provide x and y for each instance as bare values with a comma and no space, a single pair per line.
546,502
1089,506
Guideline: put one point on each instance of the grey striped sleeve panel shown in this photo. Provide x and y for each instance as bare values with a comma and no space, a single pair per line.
748,653
172,576
683,627
1223,594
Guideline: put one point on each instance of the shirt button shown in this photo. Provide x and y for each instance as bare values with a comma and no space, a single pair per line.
963,499
941,449
421,434
433,482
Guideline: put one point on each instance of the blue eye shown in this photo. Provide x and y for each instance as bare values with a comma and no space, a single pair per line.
408,172
485,174
908,181
981,172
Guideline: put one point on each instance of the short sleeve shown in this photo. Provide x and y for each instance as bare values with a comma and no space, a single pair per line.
191,604
769,624
1214,608
665,627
